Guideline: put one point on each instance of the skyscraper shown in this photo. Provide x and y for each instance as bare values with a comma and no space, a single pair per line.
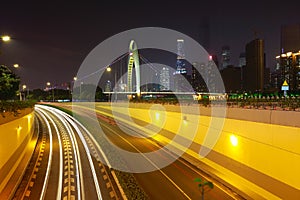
225,57
180,64
108,87
164,79
242,59
255,66
289,70
288,62
210,75
180,74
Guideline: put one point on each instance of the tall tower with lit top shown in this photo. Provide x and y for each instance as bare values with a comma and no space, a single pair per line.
180,63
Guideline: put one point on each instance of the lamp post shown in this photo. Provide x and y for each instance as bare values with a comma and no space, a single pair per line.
80,90
24,87
72,86
15,66
49,84
108,69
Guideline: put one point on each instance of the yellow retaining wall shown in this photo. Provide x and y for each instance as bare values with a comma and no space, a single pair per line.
15,138
273,150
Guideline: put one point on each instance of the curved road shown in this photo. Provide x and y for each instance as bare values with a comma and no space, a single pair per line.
175,181
67,163
63,166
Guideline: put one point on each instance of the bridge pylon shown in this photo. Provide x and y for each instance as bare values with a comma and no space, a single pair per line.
133,59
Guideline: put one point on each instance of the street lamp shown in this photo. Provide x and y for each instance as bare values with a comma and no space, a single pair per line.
72,85
49,84
5,38
24,87
16,65
80,90
108,69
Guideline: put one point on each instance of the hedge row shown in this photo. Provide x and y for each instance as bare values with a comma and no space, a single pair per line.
15,106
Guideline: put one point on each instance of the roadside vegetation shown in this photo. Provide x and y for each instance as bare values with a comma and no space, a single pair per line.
10,93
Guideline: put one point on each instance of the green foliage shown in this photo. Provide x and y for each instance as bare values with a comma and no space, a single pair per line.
15,106
87,92
202,184
39,94
9,84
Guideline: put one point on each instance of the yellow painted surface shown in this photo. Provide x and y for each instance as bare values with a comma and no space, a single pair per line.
12,134
272,149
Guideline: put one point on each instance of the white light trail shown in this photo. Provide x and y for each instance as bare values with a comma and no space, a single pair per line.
78,166
45,184
71,121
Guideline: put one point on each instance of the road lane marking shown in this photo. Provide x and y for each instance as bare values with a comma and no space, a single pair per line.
45,184
165,175
71,121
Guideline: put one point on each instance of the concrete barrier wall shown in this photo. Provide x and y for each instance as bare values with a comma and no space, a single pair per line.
266,153
15,138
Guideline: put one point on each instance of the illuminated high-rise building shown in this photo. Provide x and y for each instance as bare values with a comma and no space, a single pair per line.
210,75
289,70
180,74
225,57
164,79
180,63
108,87
288,61
197,80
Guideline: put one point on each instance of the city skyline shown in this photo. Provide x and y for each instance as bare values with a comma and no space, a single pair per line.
57,37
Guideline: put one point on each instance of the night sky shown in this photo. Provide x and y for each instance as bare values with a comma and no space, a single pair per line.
50,41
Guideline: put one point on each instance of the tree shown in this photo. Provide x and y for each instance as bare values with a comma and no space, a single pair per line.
9,83
203,185
99,94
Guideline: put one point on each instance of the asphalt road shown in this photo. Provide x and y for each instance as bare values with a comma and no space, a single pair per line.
65,164
175,181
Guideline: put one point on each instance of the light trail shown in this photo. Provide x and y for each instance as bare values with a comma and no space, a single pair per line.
64,117
45,184
80,186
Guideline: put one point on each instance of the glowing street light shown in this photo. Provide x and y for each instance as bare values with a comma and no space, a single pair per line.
234,140
108,69
24,88
48,84
75,78
5,38
16,65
